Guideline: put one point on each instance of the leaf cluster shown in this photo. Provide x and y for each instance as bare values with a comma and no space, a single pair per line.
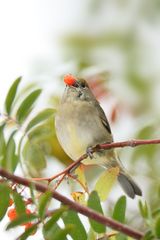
37,131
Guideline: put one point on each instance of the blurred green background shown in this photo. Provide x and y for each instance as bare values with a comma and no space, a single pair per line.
114,44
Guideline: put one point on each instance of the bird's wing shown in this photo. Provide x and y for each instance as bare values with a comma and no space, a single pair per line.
103,117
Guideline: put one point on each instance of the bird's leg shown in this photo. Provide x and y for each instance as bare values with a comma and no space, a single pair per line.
89,152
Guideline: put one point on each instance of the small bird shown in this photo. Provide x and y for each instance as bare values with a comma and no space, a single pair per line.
81,124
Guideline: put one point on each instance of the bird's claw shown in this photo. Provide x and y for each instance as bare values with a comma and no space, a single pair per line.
90,152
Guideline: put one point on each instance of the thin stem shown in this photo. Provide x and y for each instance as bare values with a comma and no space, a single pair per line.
59,182
75,206
105,146
130,143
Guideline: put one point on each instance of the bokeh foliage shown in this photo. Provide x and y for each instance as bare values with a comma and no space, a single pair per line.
91,52
31,151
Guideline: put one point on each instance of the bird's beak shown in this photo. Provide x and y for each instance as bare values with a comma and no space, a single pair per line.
76,85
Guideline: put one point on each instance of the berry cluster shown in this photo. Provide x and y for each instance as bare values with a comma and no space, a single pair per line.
12,215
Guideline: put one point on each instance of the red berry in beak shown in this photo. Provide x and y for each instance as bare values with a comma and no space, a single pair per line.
69,80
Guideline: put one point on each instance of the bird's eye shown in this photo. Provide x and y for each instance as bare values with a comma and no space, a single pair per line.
79,84
83,85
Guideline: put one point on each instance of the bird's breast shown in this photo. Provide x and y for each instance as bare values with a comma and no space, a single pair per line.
78,127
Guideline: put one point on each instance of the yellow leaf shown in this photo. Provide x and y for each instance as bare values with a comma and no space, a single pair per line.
105,182
79,197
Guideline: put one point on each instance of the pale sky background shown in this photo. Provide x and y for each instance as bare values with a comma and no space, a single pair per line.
29,35
29,32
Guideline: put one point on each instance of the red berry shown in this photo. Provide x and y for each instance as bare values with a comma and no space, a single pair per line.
12,214
69,79
28,225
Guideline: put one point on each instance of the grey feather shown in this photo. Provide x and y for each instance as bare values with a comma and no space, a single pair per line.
129,186
81,123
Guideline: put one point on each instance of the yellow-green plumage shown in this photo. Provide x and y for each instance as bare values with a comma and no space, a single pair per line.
81,123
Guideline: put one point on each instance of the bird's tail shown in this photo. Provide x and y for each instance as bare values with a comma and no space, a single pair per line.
128,184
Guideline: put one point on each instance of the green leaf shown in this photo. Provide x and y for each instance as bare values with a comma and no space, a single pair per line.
57,233
11,95
156,213
157,227
42,116
19,203
11,159
120,209
42,131
2,145
24,218
62,233
54,218
149,235
143,208
43,203
4,199
26,106
91,235
51,226
105,182
71,217
28,232
121,236
48,232
94,203
119,215
32,189
33,158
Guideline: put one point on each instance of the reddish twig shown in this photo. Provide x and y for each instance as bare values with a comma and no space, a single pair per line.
105,146
75,206
59,182
130,143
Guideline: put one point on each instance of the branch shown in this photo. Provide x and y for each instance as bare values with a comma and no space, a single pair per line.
75,206
130,143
